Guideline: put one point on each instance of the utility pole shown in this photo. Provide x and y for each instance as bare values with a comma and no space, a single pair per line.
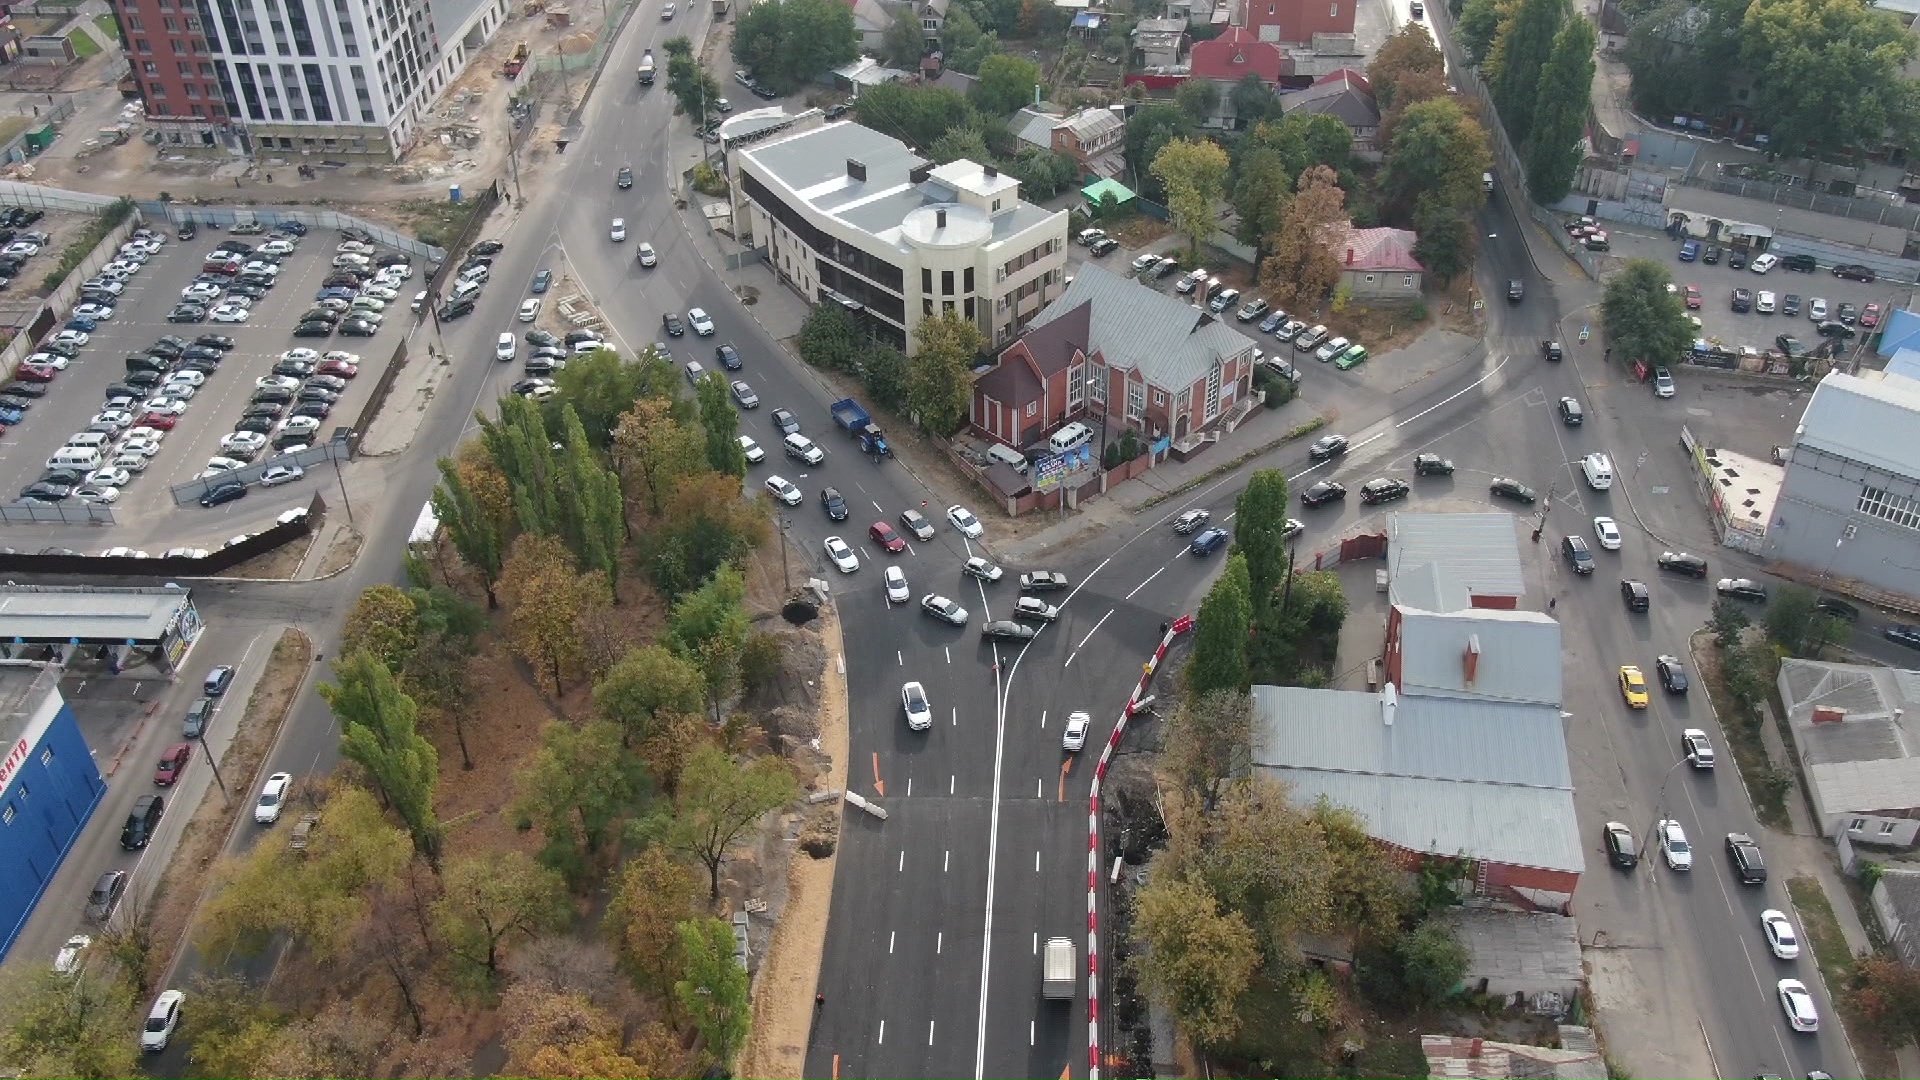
786,583
341,480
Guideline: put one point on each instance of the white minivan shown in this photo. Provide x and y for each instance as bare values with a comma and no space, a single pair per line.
1069,438
1599,471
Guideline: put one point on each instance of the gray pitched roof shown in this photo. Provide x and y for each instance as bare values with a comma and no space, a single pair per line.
1034,127
1865,760
1518,654
1448,775
1170,342
1865,420
1480,552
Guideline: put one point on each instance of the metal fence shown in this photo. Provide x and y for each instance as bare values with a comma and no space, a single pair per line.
269,217
190,492
41,197
57,110
64,513
1880,208
66,567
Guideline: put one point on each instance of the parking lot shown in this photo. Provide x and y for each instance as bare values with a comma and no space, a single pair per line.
77,394
1754,328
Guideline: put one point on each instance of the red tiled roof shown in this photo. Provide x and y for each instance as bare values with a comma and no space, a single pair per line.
1376,249
1348,77
1236,54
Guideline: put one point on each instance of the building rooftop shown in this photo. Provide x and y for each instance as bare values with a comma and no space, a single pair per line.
1464,555
1861,760
1484,653
24,686
1382,250
1437,775
1865,420
1170,342
1343,94
813,166
1235,54
59,613
1462,1057
1527,952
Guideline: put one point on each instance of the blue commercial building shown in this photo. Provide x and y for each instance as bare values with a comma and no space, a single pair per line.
49,787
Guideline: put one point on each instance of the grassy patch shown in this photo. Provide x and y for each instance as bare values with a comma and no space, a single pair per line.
108,25
12,126
1821,930
1274,1042
1740,731
83,44
437,221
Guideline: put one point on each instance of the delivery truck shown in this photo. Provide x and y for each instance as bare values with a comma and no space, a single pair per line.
1056,973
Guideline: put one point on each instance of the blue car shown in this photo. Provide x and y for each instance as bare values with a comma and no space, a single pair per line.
1903,634
1209,542
1273,322
336,292
84,325
542,280
1690,251
10,416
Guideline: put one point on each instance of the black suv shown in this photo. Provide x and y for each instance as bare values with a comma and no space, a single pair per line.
1679,562
141,823
836,506
1384,489
1745,856
1742,300
1635,594
728,356
1571,414
1622,851
1431,465
1577,554
672,325
1516,292
1854,272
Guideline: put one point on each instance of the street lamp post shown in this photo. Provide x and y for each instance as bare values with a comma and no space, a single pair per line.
342,481
1659,804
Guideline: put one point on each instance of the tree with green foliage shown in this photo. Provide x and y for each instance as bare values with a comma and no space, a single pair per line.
474,533
965,45
902,44
378,733
383,622
1304,140
1560,113
1642,320
1260,533
521,447
1798,626
68,1026
959,143
646,682
1479,25
1209,743
602,385
1253,101
1262,192
596,514
707,524
1198,960
1303,270
708,628
716,802
234,1026
1432,962
917,115
1220,633
829,338
1043,174
656,452
491,898
722,426
1198,100
1679,52
1151,127
1006,85
713,989
1446,238
939,381
1438,152
1728,622
885,373
1368,895
1194,174
692,86
788,44
575,787
654,893
1519,54
1829,75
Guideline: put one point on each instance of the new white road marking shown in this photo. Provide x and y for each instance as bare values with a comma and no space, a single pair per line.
1095,630
993,858
929,1033
899,658
939,941
946,860
881,1041
1145,583
956,716
890,937
1043,719
903,861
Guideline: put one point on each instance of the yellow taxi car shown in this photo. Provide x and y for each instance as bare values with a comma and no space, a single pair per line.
1633,686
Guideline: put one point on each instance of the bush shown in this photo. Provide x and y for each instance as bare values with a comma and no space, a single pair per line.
1111,457
1417,311
1303,430
707,180
75,253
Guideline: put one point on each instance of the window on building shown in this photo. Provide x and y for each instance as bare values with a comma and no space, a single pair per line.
152,69
1213,392
143,46
1097,383
946,283
46,755
193,90
134,23
1136,399
1369,279
172,25
1885,505
966,280
1407,282
1333,11
186,71
1159,399
6,816
24,792
968,308
199,111
1857,824
926,280
926,307
1033,409
1076,387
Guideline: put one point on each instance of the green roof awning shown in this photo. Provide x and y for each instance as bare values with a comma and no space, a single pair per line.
1100,189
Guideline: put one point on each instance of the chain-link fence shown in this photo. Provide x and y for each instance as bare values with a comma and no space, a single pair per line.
1878,208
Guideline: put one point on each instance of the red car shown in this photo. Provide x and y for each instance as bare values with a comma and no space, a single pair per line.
338,368
34,373
1693,296
163,421
883,534
172,764
1870,316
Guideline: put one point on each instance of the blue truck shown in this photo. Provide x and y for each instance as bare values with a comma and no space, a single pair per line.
848,414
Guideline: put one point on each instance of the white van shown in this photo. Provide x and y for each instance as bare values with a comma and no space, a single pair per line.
800,447
1486,182
1007,455
89,440
1599,471
73,457
1069,438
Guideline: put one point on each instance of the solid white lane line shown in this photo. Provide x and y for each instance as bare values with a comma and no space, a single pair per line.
902,868
1095,630
1145,583
890,938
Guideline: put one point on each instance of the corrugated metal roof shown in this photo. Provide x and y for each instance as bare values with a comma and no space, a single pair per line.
1428,588
1519,654
1033,127
1171,343
59,612
1865,420
1448,776
1865,761
1480,551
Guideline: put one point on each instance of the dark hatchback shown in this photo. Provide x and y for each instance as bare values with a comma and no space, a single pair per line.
1322,493
1622,850
1679,562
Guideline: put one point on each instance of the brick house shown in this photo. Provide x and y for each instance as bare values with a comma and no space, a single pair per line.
1110,349
1295,22
1096,138
1377,264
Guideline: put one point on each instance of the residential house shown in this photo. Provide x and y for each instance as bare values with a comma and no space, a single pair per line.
932,16
1201,12
871,20
1449,562
1110,348
1159,43
1377,264
1297,22
1896,907
1232,57
1346,96
1096,138
1857,736
848,215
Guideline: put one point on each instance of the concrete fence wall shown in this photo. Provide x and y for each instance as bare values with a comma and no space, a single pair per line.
225,216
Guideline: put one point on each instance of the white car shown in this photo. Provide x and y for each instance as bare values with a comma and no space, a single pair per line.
981,568
1780,936
504,348
276,475
842,556
300,425
1607,531
261,266
340,356
164,406
109,477
1765,302
1076,733
184,553
201,291
276,382
244,442
143,446
477,275
111,422
144,435
48,359
161,1020
384,293
369,303
896,581
75,338
784,491
530,309
619,229
217,466
1797,1003
913,698
277,247
697,318
129,462
1817,309
1032,607
124,553
963,519
353,247
96,312
272,796
229,313
101,494
67,960
22,249
1673,845
301,355
943,609
107,284
647,256
187,378
752,450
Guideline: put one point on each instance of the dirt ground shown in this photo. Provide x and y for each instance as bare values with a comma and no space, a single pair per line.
170,911
1391,327
279,564
341,553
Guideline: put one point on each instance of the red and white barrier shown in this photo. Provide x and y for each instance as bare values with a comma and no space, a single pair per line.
1134,701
